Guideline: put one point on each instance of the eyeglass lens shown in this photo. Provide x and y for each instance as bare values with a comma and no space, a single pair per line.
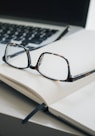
53,66
16,56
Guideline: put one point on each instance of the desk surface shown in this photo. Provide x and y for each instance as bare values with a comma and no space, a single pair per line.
15,105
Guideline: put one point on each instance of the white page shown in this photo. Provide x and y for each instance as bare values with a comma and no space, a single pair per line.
78,108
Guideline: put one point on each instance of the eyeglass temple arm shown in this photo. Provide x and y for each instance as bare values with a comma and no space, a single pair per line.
15,54
82,75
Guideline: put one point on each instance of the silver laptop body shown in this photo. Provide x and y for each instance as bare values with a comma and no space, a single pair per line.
36,23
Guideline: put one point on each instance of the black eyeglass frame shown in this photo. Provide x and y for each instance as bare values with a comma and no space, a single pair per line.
36,67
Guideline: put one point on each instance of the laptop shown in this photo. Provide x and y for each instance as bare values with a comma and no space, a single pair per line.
36,23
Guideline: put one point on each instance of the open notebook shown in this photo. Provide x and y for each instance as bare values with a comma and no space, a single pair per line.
70,101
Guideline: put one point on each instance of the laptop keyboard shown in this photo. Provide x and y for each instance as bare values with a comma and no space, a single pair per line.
24,34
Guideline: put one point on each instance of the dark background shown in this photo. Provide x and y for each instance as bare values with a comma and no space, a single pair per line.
10,126
67,11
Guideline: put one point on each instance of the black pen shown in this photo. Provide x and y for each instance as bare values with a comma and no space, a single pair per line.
67,29
39,107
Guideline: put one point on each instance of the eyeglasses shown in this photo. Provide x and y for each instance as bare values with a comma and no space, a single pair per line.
49,65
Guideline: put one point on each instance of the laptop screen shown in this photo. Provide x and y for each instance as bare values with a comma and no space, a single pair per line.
72,12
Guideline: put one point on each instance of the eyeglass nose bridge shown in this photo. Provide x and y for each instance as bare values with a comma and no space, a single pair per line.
33,67
38,62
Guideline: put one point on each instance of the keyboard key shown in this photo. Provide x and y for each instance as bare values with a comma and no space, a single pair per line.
25,35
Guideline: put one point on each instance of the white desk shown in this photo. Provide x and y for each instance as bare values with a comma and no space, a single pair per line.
14,107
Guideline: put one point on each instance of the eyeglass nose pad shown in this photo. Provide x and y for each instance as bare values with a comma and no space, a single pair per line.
40,60
29,57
